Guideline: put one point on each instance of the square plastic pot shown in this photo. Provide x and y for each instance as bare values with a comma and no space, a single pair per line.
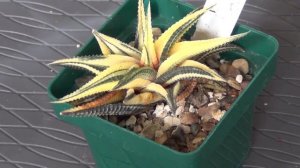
228,143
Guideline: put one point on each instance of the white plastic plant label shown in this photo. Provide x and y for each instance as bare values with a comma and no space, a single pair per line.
220,20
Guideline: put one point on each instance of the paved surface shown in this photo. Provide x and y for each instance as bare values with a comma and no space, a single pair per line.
36,32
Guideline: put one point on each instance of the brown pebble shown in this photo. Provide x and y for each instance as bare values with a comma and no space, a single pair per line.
137,128
149,131
160,137
242,65
113,119
188,118
232,72
209,125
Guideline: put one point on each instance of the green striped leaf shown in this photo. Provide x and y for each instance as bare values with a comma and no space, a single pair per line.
109,109
181,73
134,73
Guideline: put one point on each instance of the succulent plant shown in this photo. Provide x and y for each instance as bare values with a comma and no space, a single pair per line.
130,79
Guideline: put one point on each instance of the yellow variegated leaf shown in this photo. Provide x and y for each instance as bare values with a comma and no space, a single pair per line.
145,58
153,87
104,48
203,67
117,47
102,76
176,89
144,98
97,61
89,92
110,97
82,66
185,50
165,37
149,40
136,83
141,25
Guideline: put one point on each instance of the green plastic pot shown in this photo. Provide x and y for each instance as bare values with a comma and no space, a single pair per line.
228,143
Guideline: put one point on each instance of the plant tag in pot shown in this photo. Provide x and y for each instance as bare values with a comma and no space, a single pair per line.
220,20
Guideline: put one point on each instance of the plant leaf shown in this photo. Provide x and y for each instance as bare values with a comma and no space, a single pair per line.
185,50
186,72
110,109
227,48
149,40
154,87
108,98
105,75
97,61
136,84
144,98
171,35
82,67
107,72
116,46
141,26
134,73
192,63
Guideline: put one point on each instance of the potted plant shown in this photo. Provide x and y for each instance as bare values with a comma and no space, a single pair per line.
130,79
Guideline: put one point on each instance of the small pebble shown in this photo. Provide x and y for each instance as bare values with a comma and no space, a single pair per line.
137,128
195,129
159,111
147,123
239,78
210,94
192,109
179,110
178,133
160,137
219,96
149,131
186,129
131,121
189,118
180,103
113,119
211,104
232,72
144,115
242,65
171,121
217,115
167,108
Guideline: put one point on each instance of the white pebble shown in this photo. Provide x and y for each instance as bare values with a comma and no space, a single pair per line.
186,129
223,61
212,103
167,108
219,96
239,78
171,121
210,94
179,110
159,111
192,109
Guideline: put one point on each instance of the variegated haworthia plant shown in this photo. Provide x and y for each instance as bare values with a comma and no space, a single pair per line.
130,79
